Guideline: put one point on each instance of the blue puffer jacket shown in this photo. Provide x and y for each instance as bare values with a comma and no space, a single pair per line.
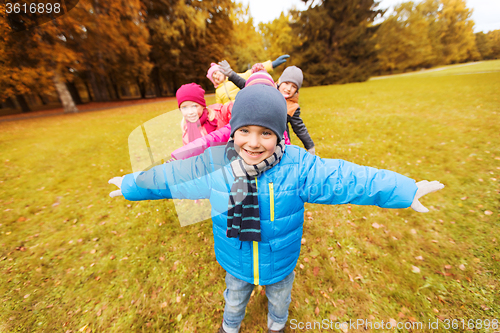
299,177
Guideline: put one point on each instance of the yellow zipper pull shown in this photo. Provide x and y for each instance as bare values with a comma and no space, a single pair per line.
271,195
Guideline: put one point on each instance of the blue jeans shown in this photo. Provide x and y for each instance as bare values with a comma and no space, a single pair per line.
237,295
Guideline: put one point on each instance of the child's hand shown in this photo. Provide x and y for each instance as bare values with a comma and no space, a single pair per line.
225,68
280,60
118,182
424,187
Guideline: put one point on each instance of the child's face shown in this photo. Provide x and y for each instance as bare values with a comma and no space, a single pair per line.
218,78
254,143
191,111
288,89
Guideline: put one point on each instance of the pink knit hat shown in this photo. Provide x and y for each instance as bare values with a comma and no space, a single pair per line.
213,67
258,67
261,77
191,92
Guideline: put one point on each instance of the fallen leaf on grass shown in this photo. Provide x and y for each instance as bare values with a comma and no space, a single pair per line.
162,258
316,311
112,257
375,225
434,241
488,212
27,295
303,241
393,322
178,299
447,266
419,258
21,219
83,328
412,319
163,305
415,269
316,271
462,267
484,307
99,313
301,266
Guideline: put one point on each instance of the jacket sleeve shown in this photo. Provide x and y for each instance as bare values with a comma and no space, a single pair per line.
268,65
336,182
185,179
198,146
237,80
300,129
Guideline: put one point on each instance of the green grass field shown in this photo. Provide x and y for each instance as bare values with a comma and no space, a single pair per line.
74,260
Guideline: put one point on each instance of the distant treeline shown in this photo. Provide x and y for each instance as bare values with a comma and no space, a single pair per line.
119,49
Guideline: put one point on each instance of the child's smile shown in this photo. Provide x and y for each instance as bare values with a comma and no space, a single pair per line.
254,143
288,89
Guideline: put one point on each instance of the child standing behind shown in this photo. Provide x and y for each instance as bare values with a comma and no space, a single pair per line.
225,91
198,119
257,187
289,84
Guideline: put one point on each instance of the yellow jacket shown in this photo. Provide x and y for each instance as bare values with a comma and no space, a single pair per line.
226,91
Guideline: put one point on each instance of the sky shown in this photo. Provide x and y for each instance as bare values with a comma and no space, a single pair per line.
486,13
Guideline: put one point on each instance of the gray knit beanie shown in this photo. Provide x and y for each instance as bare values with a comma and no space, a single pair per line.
292,74
259,105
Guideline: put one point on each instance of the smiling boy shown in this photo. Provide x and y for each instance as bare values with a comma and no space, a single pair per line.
257,187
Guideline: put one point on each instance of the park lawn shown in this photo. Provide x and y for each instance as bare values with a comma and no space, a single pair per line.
73,259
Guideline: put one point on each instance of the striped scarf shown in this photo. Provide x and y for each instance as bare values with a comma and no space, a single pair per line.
243,217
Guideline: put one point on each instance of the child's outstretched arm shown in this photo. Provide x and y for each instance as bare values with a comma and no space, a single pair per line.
198,146
334,182
300,130
186,179
226,69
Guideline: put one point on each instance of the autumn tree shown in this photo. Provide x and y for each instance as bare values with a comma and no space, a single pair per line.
246,47
456,32
186,36
337,41
36,60
403,40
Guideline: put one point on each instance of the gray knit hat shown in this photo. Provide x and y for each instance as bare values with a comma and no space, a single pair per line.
292,74
259,105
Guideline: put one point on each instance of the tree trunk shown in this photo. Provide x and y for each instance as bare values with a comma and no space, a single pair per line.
95,88
89,92
64,95
23,103
142,88
9,102
155,74
42,98
115,87
75,94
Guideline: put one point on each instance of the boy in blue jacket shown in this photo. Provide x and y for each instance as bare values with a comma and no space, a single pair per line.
257,187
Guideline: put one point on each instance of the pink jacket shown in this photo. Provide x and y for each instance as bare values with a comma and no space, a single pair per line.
216,138
215,111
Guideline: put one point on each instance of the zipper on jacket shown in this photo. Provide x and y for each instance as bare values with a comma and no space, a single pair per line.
256,253
271,195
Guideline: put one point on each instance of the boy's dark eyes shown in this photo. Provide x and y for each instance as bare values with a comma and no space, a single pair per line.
243,130
267,133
